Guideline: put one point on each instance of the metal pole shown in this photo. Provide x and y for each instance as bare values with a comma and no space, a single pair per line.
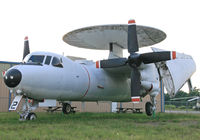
10,94
161,92
9,100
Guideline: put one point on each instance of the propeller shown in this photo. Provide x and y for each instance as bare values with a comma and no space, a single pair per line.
26,47
132,37
134,60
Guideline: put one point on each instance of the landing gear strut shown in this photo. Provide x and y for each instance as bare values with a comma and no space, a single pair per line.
28,106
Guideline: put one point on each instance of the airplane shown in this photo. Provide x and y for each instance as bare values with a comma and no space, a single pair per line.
197,106
190,99
45,75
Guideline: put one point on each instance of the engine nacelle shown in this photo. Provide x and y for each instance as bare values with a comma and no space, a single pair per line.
149,79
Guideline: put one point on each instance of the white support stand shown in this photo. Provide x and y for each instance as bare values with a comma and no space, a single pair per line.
114,106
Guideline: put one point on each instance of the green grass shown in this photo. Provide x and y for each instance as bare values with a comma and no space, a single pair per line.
180,108
100,126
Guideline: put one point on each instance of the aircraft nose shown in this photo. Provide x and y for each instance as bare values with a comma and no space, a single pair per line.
12,78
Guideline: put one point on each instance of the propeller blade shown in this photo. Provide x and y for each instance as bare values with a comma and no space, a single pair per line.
151,57
135,82
132,37
111,63
26,47
154,57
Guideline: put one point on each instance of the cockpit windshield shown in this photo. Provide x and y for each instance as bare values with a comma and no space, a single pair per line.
36,59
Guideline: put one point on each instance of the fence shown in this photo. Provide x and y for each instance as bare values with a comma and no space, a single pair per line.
181,107
4,104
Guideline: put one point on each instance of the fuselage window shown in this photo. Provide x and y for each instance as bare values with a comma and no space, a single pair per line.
36,59
57,62
48,59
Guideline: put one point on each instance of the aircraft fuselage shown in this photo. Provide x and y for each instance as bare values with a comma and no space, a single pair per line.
70,81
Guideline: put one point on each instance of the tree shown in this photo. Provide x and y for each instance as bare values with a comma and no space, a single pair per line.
167,97
195,92
181,94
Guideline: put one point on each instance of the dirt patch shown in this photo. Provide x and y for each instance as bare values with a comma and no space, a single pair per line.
187,123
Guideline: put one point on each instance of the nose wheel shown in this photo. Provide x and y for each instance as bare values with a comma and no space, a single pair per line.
26,113
27,116
31,116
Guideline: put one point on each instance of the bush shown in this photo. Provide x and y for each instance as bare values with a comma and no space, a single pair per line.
170,107
182,107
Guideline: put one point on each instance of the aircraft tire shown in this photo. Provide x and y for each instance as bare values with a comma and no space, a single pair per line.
66,108
149,108
31,116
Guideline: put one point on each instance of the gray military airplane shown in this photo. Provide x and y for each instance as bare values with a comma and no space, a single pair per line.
45,75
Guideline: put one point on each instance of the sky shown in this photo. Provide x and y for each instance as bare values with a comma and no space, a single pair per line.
46,21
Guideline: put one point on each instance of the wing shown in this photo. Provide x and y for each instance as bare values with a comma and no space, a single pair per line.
175,73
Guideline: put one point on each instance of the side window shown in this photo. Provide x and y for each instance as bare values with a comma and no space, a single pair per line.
48,59
57,62
36,59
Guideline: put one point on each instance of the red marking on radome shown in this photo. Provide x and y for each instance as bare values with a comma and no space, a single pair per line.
173,55
97,64
131,21
26,38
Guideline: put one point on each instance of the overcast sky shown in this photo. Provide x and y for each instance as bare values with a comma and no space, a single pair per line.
46,21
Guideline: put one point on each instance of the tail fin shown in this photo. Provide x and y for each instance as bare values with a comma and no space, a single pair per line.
175,73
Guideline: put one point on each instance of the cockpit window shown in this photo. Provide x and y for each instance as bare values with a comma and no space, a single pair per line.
36,59
57,62
48,59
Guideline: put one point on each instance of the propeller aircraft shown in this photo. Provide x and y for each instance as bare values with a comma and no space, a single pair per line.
45,75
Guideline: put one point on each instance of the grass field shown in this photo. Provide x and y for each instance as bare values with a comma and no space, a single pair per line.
100,126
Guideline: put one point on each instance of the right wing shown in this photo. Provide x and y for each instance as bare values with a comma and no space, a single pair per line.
175,73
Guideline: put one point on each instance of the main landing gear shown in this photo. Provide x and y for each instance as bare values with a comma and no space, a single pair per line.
67,108
150,108
27,107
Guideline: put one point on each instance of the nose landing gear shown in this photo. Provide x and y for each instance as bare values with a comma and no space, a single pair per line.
28,106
